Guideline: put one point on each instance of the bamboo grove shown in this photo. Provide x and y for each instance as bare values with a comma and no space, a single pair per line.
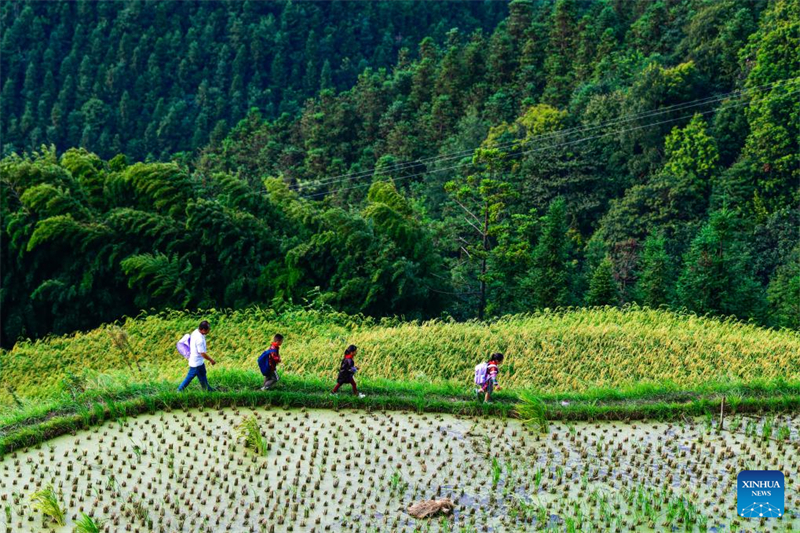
90,241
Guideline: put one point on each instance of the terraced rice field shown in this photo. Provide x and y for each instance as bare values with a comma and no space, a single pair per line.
319,470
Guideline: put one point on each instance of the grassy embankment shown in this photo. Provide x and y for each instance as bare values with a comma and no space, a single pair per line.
607,363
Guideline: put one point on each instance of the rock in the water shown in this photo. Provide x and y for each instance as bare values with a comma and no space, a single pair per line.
427,508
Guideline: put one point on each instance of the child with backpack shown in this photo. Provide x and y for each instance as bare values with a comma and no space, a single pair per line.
268,362
347,369
193,348
486,376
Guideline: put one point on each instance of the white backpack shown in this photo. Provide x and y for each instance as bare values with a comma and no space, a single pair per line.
480,373
183,346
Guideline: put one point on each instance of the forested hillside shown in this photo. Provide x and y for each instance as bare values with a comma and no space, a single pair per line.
576,153
149,79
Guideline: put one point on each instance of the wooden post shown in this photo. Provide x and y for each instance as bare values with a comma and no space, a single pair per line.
721,412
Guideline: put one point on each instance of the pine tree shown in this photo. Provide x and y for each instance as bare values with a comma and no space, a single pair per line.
562,47
424,75
691,159
603,289
30,86
481,199
773,144
655,284
519,18
717,276
784,293
549,280
326,76
501,57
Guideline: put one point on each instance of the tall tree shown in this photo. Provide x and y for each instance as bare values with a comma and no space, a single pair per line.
656,278
549,280
784,293
482,198
717,276
603,289
773,145
562,45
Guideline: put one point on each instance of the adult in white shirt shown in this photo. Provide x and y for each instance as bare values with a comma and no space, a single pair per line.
198,357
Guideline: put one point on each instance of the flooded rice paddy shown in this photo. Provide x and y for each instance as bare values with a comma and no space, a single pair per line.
322,470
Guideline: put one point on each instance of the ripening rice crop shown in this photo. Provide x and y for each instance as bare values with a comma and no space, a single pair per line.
357,471
550,351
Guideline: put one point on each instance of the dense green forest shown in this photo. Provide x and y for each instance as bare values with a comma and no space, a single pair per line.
152,78
573,153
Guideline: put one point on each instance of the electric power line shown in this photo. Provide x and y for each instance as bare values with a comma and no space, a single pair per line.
540,149
569,131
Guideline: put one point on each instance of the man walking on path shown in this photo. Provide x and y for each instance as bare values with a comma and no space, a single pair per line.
268,362
198,357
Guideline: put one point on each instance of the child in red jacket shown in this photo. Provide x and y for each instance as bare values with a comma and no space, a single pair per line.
268,362
347,369
492,368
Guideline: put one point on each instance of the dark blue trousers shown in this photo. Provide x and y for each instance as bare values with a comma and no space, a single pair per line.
200,373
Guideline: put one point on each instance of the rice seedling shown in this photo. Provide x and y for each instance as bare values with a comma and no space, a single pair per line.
532,410
250,431
141,513
497,471
87,524
537,478
766,428
137,450
510,482
45,501
111,484
397,485
542,516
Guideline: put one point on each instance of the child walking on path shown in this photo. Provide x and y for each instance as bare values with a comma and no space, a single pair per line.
198,358
268,362
486,376
347,370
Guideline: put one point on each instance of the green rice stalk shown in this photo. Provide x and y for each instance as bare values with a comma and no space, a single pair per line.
46,501
87,524
250,431
533,411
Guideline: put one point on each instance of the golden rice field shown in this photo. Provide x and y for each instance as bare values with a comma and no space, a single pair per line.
571,350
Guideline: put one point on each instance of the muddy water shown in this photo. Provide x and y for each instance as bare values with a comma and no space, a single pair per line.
358,471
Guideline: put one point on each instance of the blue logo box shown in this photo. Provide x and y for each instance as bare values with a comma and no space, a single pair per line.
760,493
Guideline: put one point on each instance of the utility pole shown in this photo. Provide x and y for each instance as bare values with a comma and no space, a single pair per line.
489,196
484,235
